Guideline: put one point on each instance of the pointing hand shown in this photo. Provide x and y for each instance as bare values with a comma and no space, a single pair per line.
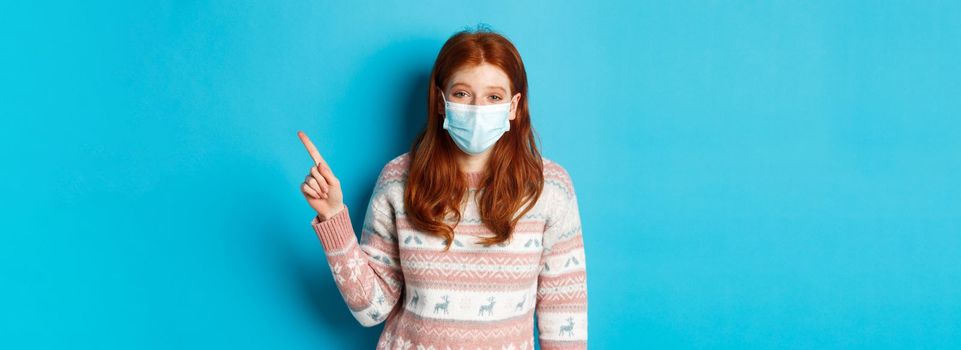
321,188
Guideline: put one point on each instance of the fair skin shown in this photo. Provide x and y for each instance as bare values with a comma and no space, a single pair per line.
482,84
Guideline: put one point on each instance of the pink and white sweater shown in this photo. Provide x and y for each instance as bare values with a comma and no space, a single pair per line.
471,297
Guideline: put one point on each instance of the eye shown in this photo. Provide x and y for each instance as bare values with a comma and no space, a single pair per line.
496,98
460,94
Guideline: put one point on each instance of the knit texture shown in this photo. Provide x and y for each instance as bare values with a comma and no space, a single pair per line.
472,296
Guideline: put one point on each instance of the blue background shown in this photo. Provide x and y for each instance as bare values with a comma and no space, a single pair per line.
750,174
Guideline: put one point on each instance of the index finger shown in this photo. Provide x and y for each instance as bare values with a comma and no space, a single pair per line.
310,148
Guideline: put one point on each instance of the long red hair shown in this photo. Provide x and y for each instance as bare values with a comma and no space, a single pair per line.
513,179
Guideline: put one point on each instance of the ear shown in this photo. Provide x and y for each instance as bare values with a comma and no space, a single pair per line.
440,100
515,101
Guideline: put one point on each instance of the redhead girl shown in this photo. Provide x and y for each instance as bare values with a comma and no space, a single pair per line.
471,235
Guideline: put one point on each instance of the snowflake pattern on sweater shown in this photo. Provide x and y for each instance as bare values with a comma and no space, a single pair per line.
471,297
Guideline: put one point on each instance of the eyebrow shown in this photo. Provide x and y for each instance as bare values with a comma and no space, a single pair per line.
489,87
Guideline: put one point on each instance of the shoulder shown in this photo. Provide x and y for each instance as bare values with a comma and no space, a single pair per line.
402,159
388,192
395,170
557,177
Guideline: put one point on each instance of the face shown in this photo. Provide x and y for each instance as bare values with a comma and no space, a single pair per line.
484,84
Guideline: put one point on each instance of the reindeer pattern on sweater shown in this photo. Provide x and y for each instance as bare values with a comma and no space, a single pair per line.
472,296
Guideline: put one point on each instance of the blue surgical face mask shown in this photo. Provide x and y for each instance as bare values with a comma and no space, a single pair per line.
475,128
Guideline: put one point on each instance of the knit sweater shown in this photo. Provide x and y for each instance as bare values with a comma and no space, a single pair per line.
472,296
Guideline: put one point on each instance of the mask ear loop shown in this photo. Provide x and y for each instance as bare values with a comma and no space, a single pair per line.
444,110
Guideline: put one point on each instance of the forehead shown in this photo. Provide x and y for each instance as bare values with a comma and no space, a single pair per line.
480,77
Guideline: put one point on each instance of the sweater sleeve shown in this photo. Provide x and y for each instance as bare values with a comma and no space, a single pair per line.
562,283
367,272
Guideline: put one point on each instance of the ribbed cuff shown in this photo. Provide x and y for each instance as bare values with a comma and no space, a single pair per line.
335,232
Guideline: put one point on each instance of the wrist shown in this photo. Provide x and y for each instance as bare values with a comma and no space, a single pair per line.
324,216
